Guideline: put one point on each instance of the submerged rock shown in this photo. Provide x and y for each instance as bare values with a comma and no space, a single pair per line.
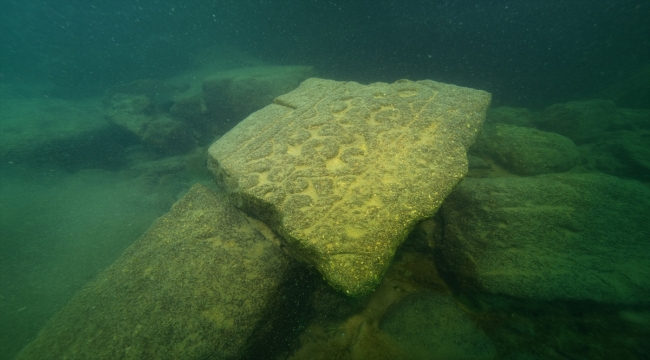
198,284
580,121
343,171
551,237
624,150
527,151
235,94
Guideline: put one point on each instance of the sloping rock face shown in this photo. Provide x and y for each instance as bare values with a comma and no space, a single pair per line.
610,139
570,237
198,284
344,171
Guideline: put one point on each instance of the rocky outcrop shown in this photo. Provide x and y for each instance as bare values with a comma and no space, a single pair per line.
343,171
198,284
526,151
173,117
577,237
610,139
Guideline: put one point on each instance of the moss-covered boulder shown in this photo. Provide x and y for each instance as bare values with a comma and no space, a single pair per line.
575,237
198,284
527,151
137,115
580,121
344,171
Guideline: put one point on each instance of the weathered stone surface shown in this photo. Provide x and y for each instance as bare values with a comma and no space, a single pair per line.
235,94
527,151
344,171
196,285
549,237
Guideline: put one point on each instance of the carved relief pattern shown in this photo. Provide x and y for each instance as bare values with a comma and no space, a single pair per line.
346,169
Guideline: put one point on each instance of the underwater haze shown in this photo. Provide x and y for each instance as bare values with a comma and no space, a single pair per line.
525,53
107,111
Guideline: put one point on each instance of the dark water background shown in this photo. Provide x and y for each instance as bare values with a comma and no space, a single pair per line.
527,53
58,231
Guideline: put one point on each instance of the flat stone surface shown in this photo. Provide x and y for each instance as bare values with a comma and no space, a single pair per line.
198,284
344,171
581,121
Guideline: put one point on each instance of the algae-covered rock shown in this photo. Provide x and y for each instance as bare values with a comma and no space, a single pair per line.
196,285
344,171
580,121
549,237
528,151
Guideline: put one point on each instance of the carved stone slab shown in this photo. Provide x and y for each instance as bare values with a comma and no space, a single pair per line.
344,171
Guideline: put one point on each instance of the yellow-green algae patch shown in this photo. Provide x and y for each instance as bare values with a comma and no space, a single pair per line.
196,285
343,171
